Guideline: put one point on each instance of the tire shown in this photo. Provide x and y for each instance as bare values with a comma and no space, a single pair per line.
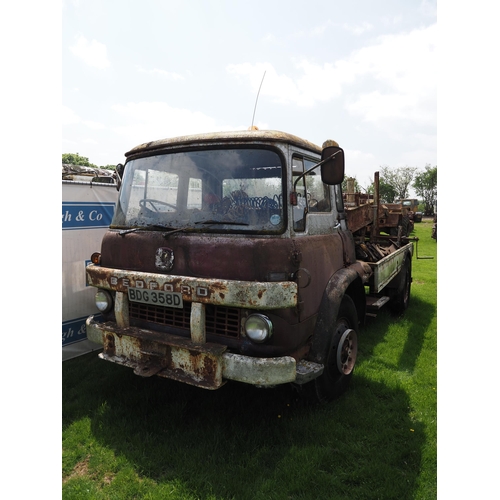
406,227
401,297
340,356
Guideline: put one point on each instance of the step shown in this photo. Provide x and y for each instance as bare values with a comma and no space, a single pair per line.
376,303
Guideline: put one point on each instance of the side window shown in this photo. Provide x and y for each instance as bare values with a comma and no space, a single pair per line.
312,195
299,211
318,194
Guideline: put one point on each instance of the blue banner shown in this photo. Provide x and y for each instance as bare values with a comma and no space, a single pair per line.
86,215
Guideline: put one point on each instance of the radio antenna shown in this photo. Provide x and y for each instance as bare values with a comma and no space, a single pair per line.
255,107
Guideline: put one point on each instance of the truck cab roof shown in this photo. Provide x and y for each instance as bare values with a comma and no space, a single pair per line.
247,136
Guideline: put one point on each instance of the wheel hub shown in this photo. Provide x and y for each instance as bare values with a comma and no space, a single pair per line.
347,351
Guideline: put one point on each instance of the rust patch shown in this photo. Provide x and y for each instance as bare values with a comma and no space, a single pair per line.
109,344
229,293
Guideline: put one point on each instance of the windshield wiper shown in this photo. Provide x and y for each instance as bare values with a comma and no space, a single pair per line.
149,227
222,222
170,230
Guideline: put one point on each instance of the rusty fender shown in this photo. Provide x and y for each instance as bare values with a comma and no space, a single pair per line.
334,292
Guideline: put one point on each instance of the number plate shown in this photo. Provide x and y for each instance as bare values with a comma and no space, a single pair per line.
155,297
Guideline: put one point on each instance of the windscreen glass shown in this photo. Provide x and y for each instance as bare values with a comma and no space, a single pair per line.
218,190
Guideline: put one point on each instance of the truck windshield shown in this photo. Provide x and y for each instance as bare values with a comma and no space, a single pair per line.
218,190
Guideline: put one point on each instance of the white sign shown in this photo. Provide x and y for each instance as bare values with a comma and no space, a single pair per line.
87,211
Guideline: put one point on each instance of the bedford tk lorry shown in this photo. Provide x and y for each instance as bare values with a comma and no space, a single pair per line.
230,257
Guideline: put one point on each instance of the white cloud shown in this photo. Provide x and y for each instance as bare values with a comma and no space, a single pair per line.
69,142
93,125
281,87
358,29
269,38
392,20
319,30
69,117
147,121
361,166
92,53
322,82
428,8
318,83
160,72
404,68
374,106
398,74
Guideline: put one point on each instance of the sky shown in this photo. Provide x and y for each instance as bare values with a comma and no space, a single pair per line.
362,73
100,77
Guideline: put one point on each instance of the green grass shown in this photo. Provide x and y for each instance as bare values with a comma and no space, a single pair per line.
125,437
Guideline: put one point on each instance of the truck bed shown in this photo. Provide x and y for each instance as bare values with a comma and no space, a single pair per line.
387,268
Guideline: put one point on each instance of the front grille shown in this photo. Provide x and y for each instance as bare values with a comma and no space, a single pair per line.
219,320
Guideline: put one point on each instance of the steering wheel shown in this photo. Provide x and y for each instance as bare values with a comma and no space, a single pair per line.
152,202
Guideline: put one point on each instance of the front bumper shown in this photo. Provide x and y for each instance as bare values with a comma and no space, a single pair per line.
193,360
204,365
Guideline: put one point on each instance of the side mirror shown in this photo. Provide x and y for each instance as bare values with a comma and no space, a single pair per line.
119,174
332,170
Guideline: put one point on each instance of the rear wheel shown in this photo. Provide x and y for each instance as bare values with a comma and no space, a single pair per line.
401,296
339,356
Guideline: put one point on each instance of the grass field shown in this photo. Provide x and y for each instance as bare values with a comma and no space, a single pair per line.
125,437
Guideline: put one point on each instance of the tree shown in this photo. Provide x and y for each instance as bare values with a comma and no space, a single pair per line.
425,186
76,159
399,179
386,191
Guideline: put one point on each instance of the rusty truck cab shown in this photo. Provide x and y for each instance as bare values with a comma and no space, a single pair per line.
221,243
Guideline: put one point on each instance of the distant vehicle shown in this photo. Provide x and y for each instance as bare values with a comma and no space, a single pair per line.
81,173
412,205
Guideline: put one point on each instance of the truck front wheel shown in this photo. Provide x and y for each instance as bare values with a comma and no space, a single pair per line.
340,355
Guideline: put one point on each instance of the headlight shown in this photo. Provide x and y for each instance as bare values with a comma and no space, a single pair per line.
103,301
258,328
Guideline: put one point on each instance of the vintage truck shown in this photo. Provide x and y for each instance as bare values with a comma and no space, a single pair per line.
392,217
412,205
231,257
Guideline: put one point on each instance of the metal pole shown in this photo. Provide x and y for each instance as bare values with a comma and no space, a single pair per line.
376,200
